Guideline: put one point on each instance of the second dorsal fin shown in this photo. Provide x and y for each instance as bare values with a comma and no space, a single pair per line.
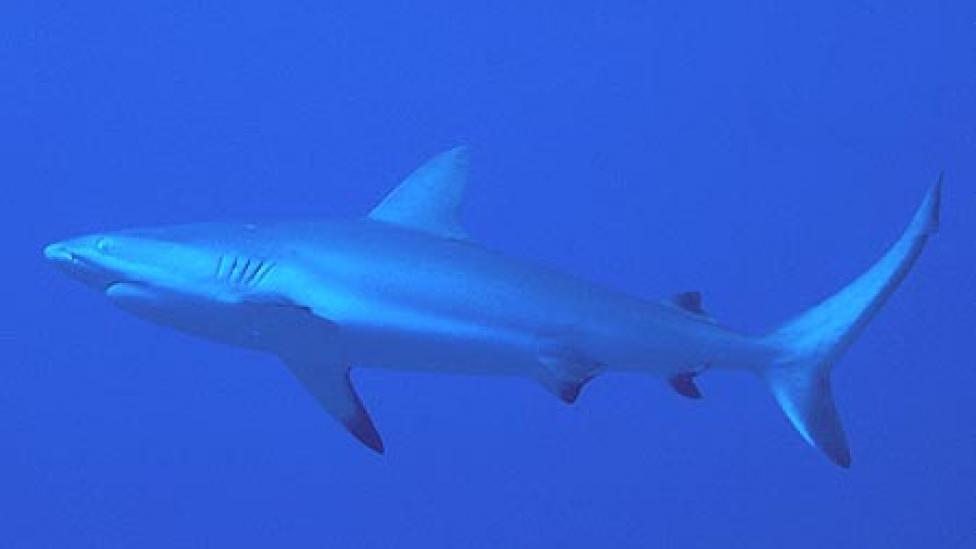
428,199
690,302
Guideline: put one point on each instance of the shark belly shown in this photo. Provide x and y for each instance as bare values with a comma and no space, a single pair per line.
419,341
259,326
525,337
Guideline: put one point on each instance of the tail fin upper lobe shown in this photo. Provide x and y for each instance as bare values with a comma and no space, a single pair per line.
809,345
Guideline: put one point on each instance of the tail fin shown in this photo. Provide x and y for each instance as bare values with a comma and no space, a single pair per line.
809,345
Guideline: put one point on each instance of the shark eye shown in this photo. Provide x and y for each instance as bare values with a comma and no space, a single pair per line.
104,244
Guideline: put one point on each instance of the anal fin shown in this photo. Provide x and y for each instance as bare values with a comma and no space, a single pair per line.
564,373
684,384
332,388
566,390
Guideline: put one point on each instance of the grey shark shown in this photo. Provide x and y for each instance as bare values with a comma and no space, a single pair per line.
405,288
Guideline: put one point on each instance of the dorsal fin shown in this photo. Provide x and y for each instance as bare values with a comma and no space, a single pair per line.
428,200
689,301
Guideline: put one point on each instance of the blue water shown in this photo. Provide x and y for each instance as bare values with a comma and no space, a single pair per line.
763,152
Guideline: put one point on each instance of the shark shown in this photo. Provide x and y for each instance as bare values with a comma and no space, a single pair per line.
406,288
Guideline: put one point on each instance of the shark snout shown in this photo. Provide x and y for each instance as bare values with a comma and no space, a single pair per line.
80,259
57,252
62,254
68,252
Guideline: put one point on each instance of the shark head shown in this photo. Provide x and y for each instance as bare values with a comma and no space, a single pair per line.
109,261
214,280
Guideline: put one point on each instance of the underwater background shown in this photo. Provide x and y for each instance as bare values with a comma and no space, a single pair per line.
763,152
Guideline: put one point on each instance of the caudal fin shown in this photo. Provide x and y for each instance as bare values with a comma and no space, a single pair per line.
809,345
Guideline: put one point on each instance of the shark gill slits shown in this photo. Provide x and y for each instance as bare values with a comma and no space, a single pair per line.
252,277
242,273
263,272
226,268
247,273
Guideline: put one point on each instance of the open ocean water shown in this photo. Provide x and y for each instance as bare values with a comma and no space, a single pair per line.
763,152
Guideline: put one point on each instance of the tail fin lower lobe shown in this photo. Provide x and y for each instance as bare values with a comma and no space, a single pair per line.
809,345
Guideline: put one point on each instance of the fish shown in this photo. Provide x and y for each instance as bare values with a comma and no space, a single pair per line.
406,288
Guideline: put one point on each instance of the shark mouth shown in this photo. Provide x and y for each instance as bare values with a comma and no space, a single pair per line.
82,268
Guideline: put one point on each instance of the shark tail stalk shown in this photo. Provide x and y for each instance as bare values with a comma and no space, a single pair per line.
808,346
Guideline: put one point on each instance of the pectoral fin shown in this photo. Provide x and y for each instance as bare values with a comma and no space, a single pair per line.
331,386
